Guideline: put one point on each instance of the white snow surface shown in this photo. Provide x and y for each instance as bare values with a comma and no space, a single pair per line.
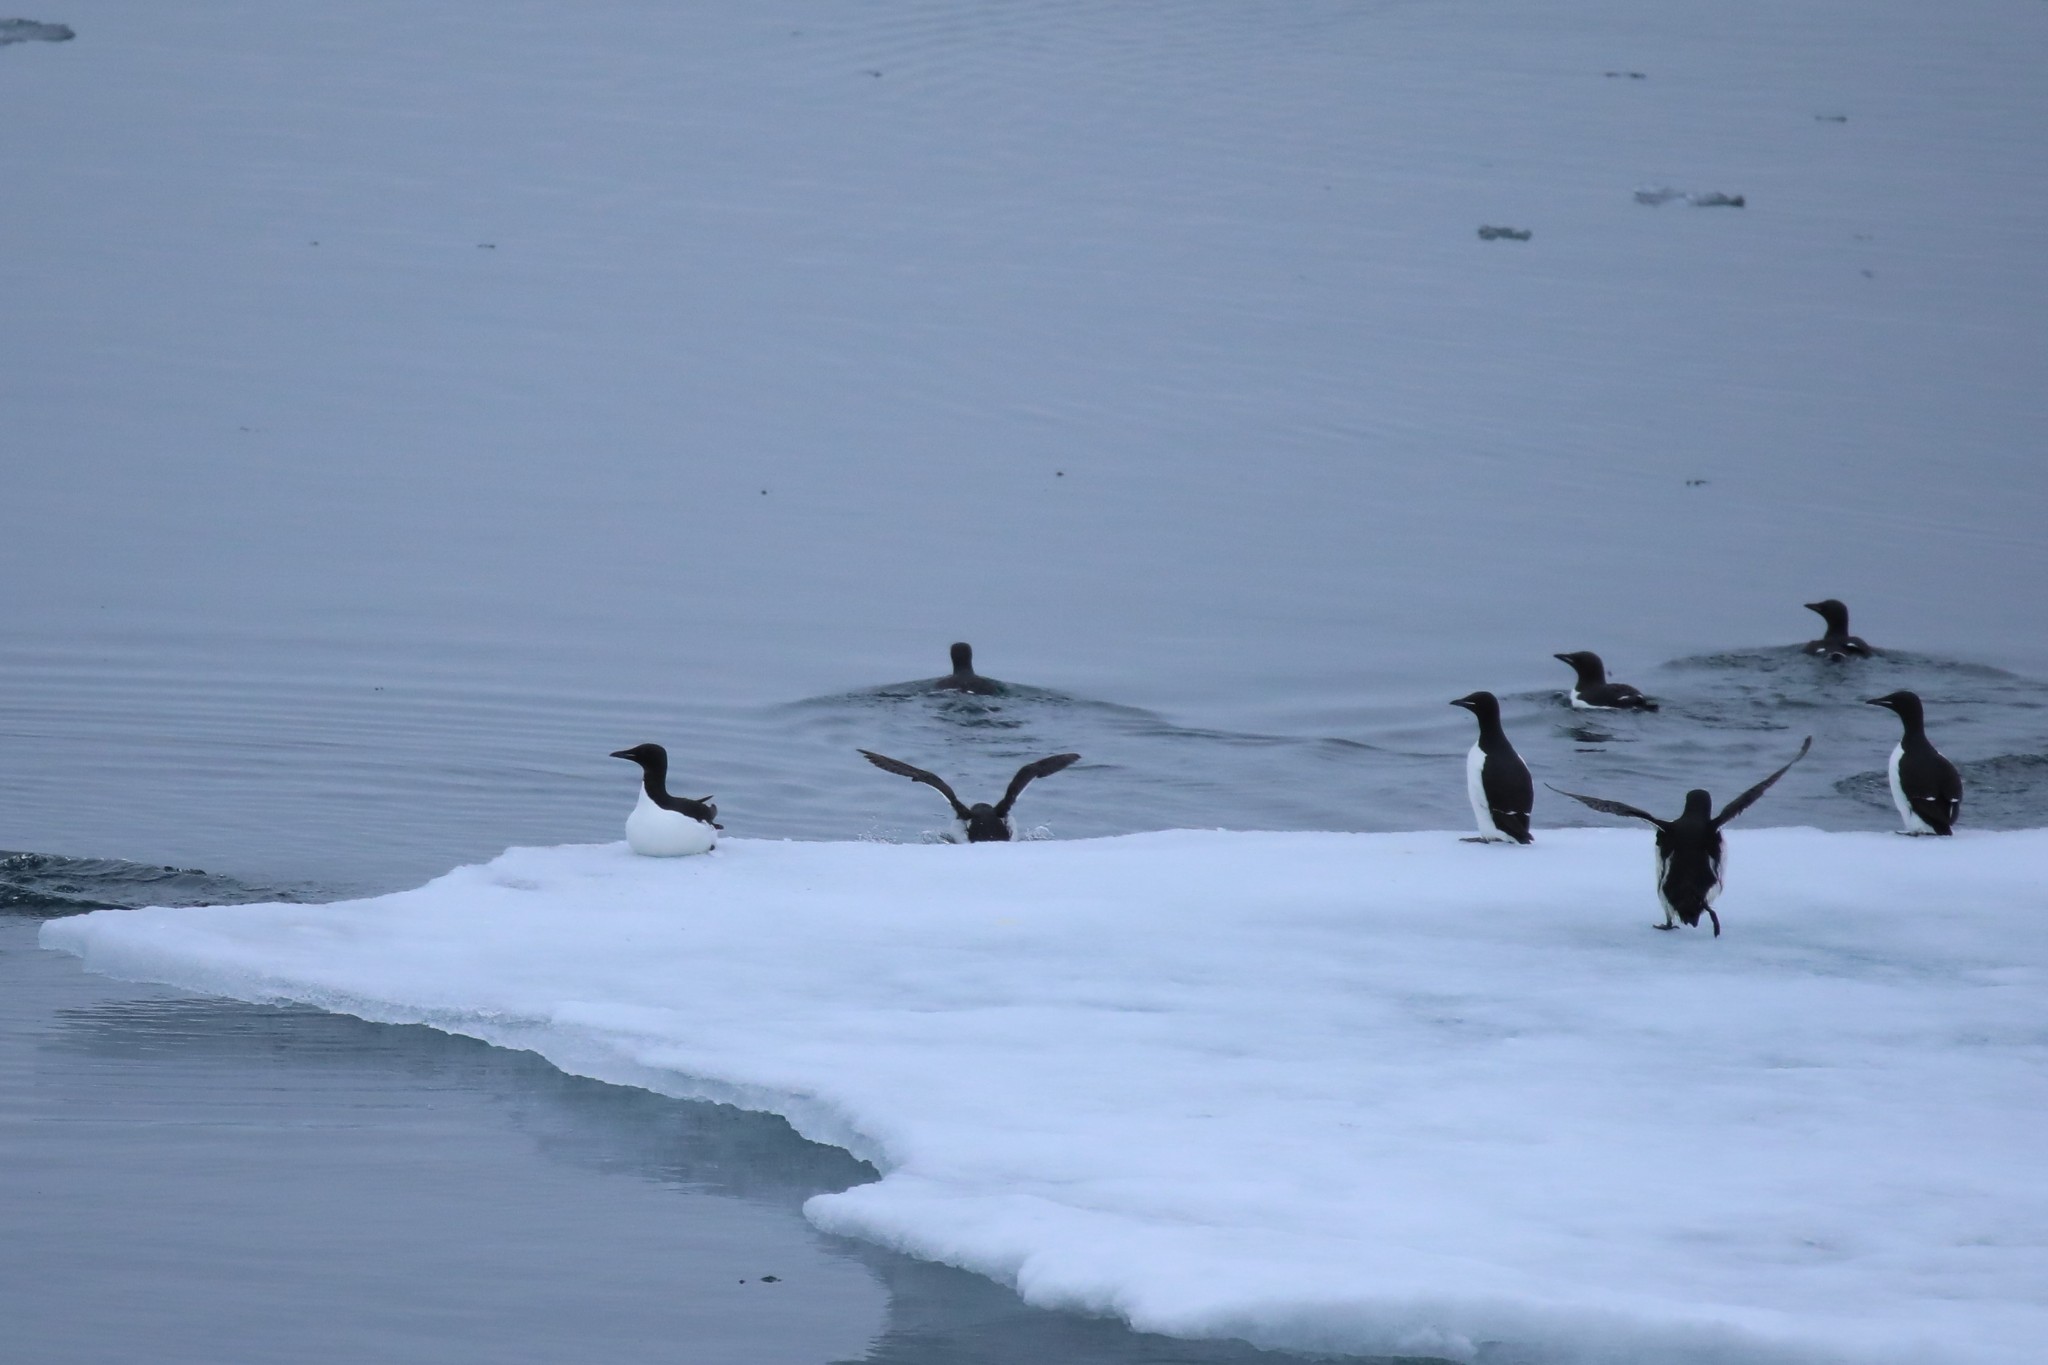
1349,1092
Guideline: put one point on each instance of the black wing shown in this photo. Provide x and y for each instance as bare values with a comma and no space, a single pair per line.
1601,803
938,784
1044,767
1941,809
700,809
1748,798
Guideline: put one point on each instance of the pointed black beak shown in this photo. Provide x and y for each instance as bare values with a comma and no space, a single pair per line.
1462,702
1813,607
1885,702
625,754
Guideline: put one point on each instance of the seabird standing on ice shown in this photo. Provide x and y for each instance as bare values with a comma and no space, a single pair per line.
963,678
1926,787
1836,643
1496,779
664,826
981,822
1592,692
1689,849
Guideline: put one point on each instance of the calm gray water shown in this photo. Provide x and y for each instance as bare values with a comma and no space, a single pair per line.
405,408
292,765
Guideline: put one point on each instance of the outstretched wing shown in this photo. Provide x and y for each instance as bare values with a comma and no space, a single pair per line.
1748,798
938,784
1601,803
1044,767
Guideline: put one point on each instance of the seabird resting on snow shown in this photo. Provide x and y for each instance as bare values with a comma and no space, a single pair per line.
963,678
1592,692
1496,778
1926,787
1836,644
981,822
664,826
1689,848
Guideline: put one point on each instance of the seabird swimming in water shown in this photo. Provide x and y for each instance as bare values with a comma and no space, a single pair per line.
1836,643
981,822
1496,779
1689,849
664,826
1592,691
1926,787
963,678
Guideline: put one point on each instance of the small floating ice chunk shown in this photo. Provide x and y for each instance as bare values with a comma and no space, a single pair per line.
33,31
1705,199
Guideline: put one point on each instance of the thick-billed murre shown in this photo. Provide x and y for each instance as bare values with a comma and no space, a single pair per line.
963,678
1926,787
981,823
664,826
1496,779
1836,643
1592,691
1689,849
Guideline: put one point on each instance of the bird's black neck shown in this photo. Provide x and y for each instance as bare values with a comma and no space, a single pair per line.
654,778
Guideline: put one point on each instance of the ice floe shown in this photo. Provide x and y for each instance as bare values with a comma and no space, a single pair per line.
1350,1092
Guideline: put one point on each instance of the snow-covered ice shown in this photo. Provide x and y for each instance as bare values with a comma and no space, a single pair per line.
1353,1092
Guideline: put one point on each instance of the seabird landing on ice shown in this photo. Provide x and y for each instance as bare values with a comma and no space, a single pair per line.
981,822
664,826
1496,779
1836,643
1592,691
1926,787
1689,849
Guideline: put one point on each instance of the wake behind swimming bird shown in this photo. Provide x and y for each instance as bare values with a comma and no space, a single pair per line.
1689,849
1926,787
980,823
1496,779
664,826
1592,691
1836,643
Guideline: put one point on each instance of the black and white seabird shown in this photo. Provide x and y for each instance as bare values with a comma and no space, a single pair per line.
1836,644
981,822
1689,849
1592,692
664,826
963,678
1496,779
1926,787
